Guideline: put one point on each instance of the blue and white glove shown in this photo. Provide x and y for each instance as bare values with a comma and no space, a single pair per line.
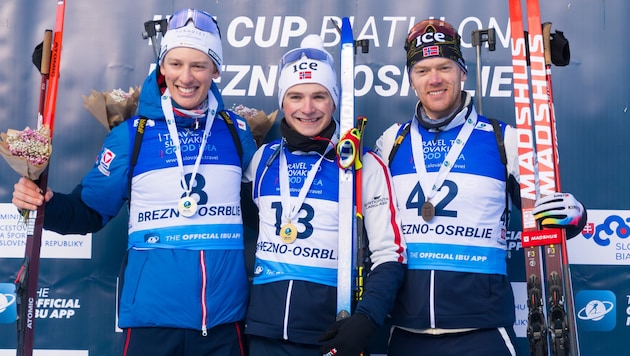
559,210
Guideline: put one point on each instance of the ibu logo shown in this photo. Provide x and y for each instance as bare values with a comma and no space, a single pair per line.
8,308
596,310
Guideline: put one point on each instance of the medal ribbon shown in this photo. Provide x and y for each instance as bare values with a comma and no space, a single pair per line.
449,161
290,213
167,109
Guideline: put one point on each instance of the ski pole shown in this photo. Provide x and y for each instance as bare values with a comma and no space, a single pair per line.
33,244
151,28
361,258
478,38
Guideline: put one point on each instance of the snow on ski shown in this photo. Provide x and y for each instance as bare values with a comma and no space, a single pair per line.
347,228
539,176
27,279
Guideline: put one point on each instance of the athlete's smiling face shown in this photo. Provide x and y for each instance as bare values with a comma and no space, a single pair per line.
188,73
308,108
438,85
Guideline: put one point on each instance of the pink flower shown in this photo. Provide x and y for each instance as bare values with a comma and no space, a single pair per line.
34,145
244,111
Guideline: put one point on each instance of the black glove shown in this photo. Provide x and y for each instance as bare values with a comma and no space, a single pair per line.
348,337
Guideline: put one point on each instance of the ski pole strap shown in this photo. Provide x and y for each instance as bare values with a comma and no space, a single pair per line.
348,149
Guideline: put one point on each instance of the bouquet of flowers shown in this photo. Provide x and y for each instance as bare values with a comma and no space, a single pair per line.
258,121
27,151
113,107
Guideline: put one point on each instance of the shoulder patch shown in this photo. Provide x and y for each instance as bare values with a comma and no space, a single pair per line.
150,122
241,124
484,126
107,157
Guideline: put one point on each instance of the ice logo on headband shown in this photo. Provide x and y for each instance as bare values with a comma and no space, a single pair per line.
430,37
304,65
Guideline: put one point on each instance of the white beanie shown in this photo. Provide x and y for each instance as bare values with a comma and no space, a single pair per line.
307,70
191,37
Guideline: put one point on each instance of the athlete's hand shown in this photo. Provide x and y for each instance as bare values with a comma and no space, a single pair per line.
558,210
347,337
27,195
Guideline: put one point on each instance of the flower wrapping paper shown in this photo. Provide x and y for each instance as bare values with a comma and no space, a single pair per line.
112,107
259,122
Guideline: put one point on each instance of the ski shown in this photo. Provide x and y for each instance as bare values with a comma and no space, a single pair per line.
539,176
560,324
26,282
346,152
536,324
560,309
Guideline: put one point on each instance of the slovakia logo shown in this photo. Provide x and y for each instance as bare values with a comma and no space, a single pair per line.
612,225
596,310
305,75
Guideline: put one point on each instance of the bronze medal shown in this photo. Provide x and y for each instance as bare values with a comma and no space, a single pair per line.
187,206
288,233
428,211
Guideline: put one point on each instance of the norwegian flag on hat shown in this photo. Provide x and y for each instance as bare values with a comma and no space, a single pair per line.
430,51
305,75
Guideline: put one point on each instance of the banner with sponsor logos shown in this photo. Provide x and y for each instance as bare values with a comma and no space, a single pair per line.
104,49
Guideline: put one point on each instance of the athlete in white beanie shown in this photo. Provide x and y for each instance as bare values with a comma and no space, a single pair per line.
295,185
310,63
193,29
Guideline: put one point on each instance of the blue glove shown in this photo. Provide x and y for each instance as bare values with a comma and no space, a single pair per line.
558,210
347,337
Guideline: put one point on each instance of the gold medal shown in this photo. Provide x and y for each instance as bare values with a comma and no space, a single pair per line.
428,211
187,206
288,233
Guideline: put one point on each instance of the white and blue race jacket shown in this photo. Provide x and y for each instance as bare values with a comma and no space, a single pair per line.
294,285
457,275
181,272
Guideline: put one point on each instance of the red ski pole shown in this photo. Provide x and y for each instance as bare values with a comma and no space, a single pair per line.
51,98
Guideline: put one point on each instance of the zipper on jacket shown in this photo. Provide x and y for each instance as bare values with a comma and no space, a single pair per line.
432,299
285,322
204,307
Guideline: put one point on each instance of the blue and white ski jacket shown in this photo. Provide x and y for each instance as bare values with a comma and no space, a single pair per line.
457,277
181,272
294,287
